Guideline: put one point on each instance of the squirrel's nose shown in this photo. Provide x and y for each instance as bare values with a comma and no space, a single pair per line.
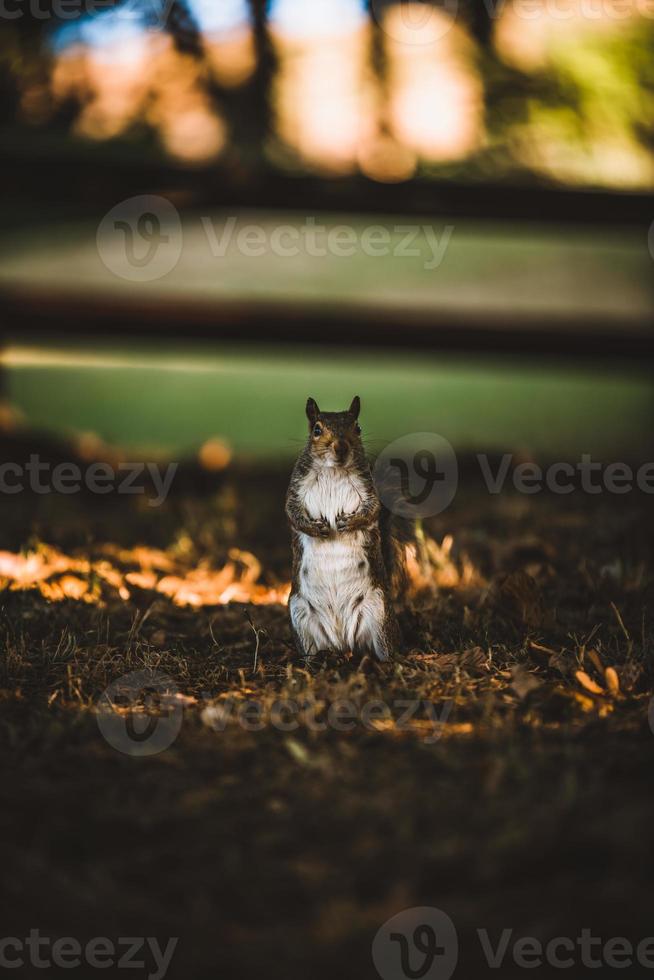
340,450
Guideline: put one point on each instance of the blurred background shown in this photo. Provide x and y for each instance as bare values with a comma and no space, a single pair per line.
502,151
212,209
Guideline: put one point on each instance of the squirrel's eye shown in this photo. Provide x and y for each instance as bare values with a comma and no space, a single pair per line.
357,429
317,429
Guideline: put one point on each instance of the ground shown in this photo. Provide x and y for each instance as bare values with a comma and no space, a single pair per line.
498,769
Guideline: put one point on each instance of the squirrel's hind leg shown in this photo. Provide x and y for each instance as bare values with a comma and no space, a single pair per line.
375,627
386,641
308,634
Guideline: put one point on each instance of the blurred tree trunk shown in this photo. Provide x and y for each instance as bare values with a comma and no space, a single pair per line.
183,28
262,81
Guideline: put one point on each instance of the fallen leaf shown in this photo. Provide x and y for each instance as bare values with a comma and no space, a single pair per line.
588,682
594,657
585,702
612,681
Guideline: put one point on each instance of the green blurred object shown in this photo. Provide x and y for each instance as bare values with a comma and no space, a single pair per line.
168,397
432,266
254,399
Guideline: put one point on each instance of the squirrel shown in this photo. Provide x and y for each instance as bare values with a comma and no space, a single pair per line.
348,565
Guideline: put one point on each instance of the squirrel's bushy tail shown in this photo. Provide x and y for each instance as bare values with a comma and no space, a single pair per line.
396,533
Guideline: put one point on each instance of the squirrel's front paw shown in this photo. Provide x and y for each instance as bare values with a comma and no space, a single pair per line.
320,528
345,522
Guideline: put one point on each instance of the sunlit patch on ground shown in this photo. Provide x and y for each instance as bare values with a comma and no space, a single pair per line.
59,576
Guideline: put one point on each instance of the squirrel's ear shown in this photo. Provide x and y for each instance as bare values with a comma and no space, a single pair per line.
312,410
355,407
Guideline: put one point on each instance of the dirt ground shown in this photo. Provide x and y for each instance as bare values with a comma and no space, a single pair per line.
499,769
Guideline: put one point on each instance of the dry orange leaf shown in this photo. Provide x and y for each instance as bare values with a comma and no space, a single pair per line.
594,656
588,682
612,680
584,702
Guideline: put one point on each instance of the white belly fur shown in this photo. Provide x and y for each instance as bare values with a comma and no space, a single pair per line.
328,492
336,606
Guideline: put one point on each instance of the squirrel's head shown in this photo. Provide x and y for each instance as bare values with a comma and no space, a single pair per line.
334,437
